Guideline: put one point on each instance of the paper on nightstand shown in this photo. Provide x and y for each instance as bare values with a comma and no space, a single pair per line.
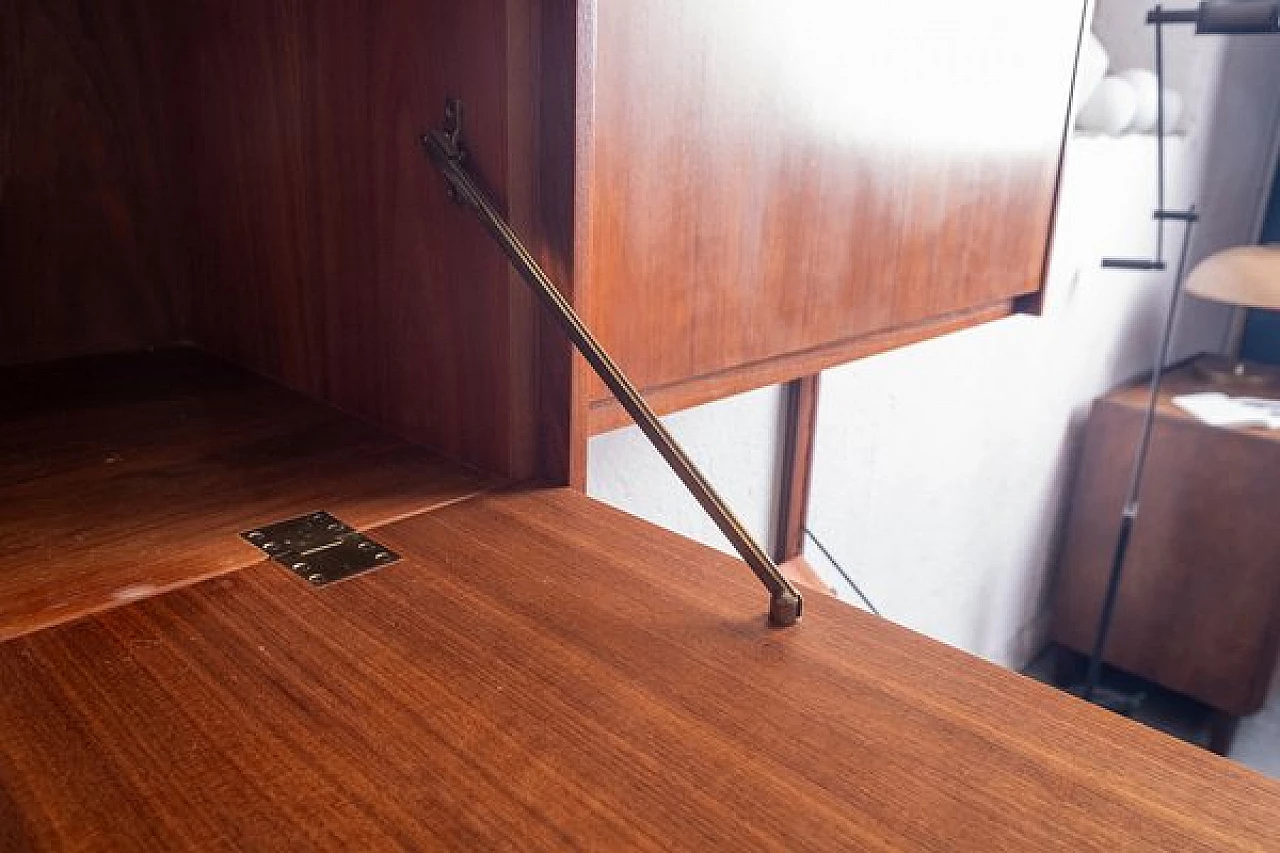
1220,410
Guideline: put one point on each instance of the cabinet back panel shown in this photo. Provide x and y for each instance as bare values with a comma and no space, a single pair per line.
90,252
327,254
774,176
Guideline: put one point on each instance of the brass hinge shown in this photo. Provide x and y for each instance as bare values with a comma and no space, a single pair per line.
319,548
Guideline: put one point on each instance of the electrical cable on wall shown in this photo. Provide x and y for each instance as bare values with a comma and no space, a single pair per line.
840,569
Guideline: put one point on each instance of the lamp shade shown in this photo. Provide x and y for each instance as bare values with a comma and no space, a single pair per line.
1247,275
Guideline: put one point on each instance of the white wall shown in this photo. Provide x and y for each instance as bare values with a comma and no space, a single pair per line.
736,442
942,470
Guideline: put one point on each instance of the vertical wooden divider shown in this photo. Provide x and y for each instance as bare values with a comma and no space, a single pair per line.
797,466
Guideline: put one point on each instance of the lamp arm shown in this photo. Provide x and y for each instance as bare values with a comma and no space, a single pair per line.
1243,18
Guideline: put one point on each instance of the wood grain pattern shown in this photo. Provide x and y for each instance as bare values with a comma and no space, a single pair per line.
328,255
801,423
545,673
774,177
261,160
90,257
124,476
548,51
1199,603
607,414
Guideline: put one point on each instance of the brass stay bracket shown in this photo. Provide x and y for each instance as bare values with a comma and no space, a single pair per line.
446,151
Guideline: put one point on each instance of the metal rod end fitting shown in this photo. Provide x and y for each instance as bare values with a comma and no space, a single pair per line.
785,609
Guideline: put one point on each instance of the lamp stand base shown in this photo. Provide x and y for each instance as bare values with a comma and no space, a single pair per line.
1115,701
1234,374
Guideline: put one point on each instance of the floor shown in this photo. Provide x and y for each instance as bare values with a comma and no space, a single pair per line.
125,476
1257,741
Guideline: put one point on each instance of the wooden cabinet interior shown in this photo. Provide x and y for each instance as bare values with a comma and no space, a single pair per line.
125,476
246,175
328,255
734,194
90,244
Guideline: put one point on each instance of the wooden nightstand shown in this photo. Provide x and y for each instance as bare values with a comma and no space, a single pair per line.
1199,605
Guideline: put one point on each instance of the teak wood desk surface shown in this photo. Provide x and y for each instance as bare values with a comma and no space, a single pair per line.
542,672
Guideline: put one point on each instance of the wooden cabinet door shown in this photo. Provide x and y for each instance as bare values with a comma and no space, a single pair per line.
776,186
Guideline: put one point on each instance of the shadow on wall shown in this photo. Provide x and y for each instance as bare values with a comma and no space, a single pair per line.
1058,513
1044,551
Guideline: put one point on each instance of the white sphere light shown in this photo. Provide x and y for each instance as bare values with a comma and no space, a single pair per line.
1092,68
1146,88
1111,108
1172,110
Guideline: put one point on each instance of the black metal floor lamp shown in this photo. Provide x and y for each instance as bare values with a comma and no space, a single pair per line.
1208,18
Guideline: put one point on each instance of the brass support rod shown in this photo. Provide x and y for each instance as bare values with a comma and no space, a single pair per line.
446,152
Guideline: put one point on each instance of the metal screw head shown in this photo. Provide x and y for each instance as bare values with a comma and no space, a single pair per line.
255,535
300,566
315,577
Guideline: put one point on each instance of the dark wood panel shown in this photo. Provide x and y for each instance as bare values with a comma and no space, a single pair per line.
124,476
801,423
545,673
773,177
328,254
90,256
1199,604
548,64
